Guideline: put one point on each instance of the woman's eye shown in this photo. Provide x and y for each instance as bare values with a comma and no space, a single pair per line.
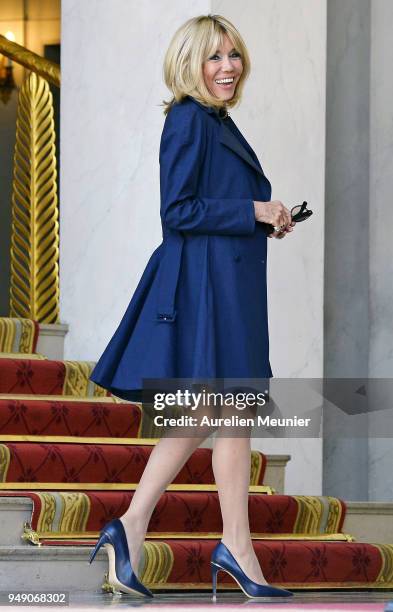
234,54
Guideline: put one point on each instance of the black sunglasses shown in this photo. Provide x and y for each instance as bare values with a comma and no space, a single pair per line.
300,212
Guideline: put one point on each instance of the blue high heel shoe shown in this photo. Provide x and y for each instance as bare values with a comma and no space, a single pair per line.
222,559
121,575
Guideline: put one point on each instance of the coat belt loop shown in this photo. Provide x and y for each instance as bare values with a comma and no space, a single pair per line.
169,276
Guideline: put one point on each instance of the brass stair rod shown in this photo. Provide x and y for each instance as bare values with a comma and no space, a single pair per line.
45,68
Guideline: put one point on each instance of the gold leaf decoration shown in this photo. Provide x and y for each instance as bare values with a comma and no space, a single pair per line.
35,226
47,69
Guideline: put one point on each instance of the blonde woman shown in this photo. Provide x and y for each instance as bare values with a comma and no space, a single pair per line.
200,308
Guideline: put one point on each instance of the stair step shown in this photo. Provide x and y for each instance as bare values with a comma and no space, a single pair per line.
24,336
54,419
369,521
181,514
49,377
57,568
29,465
18,334
14,513
174,564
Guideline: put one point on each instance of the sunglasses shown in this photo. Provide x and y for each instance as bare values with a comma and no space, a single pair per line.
300,213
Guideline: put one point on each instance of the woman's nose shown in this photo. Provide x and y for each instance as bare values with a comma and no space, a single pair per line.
227,63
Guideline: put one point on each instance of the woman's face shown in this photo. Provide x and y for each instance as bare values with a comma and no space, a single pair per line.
226,63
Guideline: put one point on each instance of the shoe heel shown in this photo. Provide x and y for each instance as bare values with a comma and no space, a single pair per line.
214,569
103,539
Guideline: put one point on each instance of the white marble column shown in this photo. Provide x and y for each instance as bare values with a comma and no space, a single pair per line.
381,243
347,229
358,287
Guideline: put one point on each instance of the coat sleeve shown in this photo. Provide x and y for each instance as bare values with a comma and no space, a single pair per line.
182,153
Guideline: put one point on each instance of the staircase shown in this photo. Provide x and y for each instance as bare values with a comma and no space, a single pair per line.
71,456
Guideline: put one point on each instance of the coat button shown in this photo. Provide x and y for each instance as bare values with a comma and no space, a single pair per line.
262,261
237,258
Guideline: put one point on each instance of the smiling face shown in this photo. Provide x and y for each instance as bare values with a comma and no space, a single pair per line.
225,63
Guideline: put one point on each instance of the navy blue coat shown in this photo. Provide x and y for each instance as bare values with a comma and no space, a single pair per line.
200,307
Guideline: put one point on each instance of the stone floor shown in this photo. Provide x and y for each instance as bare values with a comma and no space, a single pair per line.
375,601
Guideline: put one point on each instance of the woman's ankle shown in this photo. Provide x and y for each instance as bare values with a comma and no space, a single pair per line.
238,546
136,523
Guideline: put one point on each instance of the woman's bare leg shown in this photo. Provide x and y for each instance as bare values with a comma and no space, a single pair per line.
165,461
231,467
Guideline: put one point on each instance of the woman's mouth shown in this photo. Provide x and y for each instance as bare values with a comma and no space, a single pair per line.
225,83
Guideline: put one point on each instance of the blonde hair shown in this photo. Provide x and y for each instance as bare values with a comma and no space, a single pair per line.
191,45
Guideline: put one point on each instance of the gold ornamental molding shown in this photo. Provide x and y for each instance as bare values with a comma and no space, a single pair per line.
110,486
77,440
35,536
35,227
107,399
23,356
45,68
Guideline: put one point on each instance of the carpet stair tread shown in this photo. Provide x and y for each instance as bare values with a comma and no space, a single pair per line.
56,417
110,464
48,377
177,514
171,564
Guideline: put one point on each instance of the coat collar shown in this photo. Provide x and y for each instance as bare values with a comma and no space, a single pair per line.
208,109
228,138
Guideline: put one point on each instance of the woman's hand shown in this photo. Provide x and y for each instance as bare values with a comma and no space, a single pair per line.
276,214
283,232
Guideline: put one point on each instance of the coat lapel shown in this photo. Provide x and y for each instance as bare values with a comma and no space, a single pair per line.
228,139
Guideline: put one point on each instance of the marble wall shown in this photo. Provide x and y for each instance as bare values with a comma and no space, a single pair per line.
112,87
111,125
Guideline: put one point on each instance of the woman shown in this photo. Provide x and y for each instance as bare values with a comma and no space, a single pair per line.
200,308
